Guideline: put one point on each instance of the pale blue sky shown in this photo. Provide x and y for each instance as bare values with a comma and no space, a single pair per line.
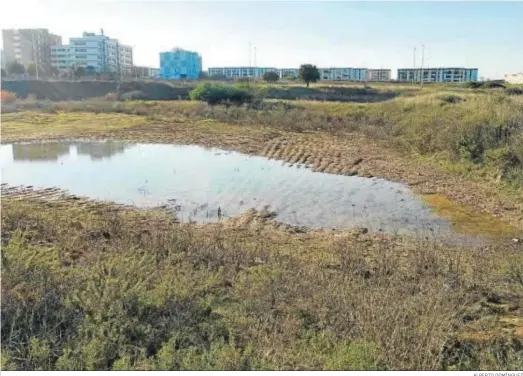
484,35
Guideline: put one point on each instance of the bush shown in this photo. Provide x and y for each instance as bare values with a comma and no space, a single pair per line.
450,99
215,93
271,77
514,91
7,97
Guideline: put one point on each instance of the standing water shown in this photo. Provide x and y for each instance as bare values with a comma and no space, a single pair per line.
201,183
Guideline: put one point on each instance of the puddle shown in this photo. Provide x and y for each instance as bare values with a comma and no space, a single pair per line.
197,182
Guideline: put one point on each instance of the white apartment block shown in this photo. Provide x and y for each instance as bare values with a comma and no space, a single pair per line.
96,53
438,74
239,72
514,78
379,75
330,74
289,72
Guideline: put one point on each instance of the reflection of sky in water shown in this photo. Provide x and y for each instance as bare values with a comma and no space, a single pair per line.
200,180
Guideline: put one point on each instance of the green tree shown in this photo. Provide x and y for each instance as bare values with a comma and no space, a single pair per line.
90,70
15,68
31,69
309,73
271,76
79,71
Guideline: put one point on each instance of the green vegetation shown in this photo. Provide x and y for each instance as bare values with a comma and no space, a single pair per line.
216,93
31,69
79,72
94,289
309,73
271,77
15,67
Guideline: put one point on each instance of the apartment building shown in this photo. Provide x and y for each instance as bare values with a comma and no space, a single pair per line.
145,72
96,53
2,59
29,46
514,78
180,64
344,74
379,75
289,72
240,72
438,74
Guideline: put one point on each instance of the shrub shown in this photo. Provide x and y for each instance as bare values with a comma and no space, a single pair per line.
215,93
450,99
514,91
7,97
271,76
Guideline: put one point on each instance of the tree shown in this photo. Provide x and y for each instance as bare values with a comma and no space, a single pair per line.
203,75
4,73
309,73
271,76
31,69
90,70
15,68
79,71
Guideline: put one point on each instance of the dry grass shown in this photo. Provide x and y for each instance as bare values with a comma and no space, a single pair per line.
88,288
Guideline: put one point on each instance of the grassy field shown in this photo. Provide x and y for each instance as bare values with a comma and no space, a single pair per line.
127,289
92,286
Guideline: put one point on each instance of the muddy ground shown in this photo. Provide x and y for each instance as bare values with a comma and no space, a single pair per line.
351,154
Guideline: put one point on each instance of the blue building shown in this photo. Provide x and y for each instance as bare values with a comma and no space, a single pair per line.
179,64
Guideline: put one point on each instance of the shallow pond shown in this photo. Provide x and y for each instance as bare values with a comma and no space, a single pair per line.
196,182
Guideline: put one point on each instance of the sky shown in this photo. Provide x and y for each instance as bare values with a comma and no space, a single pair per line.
483,35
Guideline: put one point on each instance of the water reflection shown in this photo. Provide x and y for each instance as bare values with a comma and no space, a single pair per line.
206,184
101,150
50,151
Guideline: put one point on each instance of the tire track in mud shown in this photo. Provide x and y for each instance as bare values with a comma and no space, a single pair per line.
21,192
320,155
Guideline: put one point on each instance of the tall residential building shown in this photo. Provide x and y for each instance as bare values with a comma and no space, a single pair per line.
179,64
438,74
2,59
30,46
96,53
379,75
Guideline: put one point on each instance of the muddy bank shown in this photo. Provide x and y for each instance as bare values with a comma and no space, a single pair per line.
348,155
